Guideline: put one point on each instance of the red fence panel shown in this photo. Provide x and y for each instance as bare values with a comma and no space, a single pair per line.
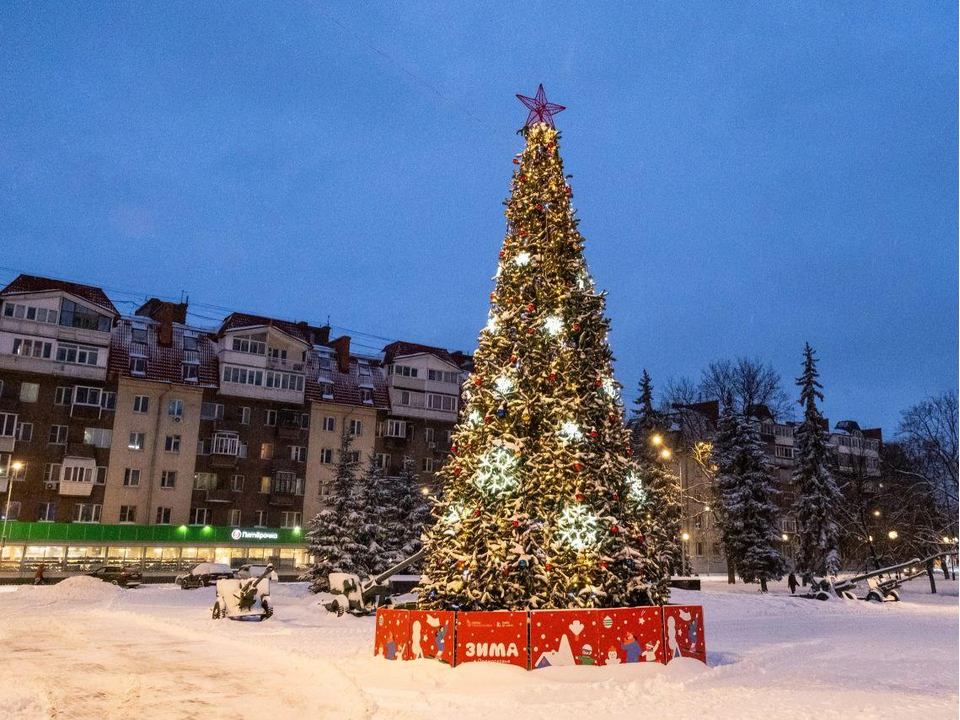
393,634
683,632
431,634
630,635
563,637
499,636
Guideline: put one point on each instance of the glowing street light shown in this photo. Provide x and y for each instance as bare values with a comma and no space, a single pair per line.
424,490
686,536
656,440
16,466
665,454
893,534
785,537
876,513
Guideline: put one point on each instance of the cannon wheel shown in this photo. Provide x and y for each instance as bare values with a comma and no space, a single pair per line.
874,597
893,596
821,595
267,609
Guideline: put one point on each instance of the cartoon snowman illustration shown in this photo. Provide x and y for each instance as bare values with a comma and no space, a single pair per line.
650,651
612,657
672,643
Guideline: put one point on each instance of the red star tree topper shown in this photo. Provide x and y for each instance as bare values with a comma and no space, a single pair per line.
540,109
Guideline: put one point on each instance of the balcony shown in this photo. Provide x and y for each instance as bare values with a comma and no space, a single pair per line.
81,450
222,460
76,488
220,495
285,365
282,499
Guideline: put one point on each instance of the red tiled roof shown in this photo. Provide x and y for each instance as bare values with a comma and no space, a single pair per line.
164,364
401,348
24,284
233,321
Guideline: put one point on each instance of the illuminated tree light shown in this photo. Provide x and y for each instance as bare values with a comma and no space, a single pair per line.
522,258
475,417
570,431
578,527
610,387
492,324
504,385
637,491
496,472
454,514
554,324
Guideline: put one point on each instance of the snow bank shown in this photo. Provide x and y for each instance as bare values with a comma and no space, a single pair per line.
82,588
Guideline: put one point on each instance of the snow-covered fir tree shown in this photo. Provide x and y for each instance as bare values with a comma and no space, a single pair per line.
817,495
412,511
538,509
334,535
662,512
746,499
379,515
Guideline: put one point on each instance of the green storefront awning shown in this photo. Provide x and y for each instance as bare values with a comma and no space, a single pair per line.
84,533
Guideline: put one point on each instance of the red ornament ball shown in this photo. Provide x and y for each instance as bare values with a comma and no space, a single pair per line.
513,358
603,564
488,420
593,433
516,523
502,253
578,467
453,449
614,529
478,382
599,382
539,207
529,331
553,377
457,471
629,452
531,307
516,161
548,567
476,513
576,326
579,497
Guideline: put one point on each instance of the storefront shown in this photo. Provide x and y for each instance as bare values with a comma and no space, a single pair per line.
158,550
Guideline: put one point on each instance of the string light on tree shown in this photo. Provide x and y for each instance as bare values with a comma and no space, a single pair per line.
554,324
523,258
637,491
570,431
504,385
578,527
497,471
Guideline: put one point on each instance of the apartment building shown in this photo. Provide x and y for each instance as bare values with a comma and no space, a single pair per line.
57,403
424,384
854,451
143,439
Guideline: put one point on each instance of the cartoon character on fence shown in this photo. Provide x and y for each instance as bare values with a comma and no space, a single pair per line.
391,647
415,647
612,657
650,651
632,646
440,639
672,642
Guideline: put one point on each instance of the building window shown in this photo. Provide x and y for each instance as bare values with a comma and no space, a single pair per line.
289,519
266,451
128,513
75,315
204,481
190,372
63,396
353,456
51,473
77,354
270,418
28,347
30,312
366,395
175,408
211,411
141,403
261,519
265,485
329,424
25,432
101,477
172,443
98,437
284,381
405,398
29,392
242,376
235,517
402,370
381,461
136,441
86,512
699,549
326,456
326,389
783,451
77,474
168,479
356,428
83,395
226,443
396,429
58,435
255,344
203,446
47,512
298,453
14,511
138,366
8,425
236,483
429,434
138,334
199,516
108,400
446,403
428,465
442,376
244,416
163,516
131,477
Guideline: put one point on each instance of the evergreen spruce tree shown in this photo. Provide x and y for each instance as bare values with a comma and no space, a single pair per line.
817,495
412,513
334,536
663,507
539,510
379,513
746,499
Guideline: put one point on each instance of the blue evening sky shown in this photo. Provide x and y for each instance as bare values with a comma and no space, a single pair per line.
749,176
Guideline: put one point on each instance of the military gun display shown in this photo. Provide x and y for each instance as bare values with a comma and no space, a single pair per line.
363,598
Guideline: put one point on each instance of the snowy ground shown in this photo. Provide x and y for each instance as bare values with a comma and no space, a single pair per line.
85,650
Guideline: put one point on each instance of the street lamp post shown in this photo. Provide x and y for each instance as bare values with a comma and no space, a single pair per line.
15,466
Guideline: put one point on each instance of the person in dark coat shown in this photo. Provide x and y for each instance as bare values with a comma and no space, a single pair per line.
38,577
792,583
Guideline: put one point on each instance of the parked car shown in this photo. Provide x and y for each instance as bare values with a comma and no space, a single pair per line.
126,577
255,571
204,574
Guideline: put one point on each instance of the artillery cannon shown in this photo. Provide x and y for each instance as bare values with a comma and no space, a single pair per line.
363,598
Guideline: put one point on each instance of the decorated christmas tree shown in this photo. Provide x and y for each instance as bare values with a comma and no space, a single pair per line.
542,507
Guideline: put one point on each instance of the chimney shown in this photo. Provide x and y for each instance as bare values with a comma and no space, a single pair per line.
320,335
342,346
156,309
